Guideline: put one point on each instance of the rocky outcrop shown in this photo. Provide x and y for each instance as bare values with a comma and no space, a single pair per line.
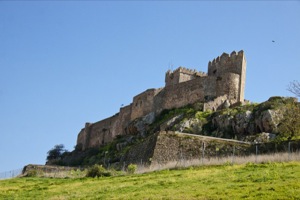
248,122
238,122
140,125
269,120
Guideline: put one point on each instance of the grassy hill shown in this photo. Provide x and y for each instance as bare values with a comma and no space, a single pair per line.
249,181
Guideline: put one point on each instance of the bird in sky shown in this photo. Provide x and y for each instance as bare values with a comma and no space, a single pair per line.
273,40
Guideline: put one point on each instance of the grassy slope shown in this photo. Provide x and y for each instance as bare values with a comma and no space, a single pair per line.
251,181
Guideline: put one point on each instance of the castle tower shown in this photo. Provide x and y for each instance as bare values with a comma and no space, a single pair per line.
226,64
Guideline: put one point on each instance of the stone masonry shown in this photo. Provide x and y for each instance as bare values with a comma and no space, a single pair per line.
224,82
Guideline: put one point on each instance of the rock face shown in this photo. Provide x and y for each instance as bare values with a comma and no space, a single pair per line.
236,122
139,126
269,120
246,123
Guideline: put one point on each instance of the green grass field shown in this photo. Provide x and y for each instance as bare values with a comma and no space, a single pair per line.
249,181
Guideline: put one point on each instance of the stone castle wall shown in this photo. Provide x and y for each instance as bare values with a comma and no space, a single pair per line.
181,74
234,63
143,103
225,78
164,147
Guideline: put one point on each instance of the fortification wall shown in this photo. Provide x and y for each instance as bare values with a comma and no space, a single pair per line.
225,78
181,74
83,136
102,132
142,104
142,152
233,63
164,147
226,63
188,92
172,146
228,85
124,120
242,81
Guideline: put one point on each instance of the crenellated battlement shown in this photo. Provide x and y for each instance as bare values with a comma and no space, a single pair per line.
182,74
233,57
186,71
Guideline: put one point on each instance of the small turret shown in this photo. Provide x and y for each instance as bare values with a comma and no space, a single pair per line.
182,74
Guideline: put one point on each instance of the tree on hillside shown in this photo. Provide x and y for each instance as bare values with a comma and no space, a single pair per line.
56,152
294,87
289,128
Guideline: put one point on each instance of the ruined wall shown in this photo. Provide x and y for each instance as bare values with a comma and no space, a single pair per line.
102,132
123,119
164,147
143,103
172,146
84,136
142,152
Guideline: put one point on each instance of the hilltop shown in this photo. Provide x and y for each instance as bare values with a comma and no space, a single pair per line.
190,117
165,138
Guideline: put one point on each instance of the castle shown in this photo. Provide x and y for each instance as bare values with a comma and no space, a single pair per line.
224,82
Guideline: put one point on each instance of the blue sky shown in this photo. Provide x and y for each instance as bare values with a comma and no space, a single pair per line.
66,63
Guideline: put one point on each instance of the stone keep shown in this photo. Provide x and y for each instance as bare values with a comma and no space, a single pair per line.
224,82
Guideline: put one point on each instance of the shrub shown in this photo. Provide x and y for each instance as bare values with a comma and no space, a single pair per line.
131,168
56,152
97,171
32,173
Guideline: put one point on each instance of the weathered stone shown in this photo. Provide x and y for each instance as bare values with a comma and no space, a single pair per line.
164,147
169,123
241,122
269,120
226,104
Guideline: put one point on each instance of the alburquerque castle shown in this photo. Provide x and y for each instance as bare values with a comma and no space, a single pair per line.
223,84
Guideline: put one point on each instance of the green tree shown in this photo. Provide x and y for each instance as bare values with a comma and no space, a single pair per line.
56,152
289,127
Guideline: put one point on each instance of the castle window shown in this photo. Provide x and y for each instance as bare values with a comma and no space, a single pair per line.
215,71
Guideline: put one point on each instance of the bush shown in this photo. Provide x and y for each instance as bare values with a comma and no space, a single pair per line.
32,173
131,168
97,171
56,152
